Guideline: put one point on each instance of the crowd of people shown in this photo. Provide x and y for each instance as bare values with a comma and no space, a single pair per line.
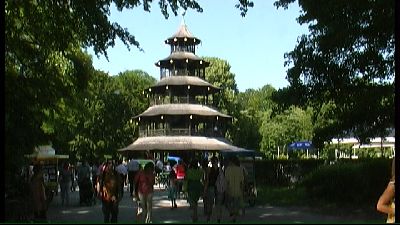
217,183
220,183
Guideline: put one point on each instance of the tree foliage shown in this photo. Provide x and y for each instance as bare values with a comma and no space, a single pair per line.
95,131
219,74
252,104
348,59
294,124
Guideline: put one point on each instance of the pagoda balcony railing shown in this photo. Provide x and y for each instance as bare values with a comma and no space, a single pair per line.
180,100
164,72
183,48
179,132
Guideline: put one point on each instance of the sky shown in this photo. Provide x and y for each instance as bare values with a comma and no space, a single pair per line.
254,45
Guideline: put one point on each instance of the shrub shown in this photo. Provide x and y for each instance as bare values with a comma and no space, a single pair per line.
355,181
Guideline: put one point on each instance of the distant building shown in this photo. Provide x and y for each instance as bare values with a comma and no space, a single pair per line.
376,142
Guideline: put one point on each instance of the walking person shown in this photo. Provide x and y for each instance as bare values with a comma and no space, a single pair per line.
65,183
73,177
204,166
110,193
38,195
172,188
180,175
386,202
133,168
235,183
122,171
220,185
84,183
193,178
211,174
94,172
145,180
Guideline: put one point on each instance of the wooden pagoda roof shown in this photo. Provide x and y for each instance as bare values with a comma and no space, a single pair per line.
181,109
182,56
184,80
181,33
182,143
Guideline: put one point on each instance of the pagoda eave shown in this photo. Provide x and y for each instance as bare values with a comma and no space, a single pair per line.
193,81
181,143
182,55
181,109
181,88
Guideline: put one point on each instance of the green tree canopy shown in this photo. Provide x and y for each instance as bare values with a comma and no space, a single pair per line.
294,124
219,74
347,59
95,130
251,106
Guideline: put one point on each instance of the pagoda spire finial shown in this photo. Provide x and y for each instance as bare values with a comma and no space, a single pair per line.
183,13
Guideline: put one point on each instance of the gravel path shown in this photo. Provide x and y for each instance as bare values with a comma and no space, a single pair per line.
162,213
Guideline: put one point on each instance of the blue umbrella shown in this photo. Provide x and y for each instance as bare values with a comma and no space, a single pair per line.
173,159
300,145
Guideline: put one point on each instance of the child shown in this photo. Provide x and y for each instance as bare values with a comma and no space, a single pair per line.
172,188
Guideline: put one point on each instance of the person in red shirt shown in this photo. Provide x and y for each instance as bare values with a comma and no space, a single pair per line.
180,176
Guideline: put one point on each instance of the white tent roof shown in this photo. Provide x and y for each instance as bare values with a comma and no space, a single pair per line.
44,152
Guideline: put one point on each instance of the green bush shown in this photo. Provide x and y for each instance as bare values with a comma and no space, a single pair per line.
349,181
284,172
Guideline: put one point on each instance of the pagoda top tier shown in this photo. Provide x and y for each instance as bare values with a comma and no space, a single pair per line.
182,36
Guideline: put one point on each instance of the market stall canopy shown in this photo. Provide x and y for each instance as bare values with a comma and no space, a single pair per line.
181,143
45,152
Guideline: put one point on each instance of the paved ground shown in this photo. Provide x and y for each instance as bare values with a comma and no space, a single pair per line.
162,213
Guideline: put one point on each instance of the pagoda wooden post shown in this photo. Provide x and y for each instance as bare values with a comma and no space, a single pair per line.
190,127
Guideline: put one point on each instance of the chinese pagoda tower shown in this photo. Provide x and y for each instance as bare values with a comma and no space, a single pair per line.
182,114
